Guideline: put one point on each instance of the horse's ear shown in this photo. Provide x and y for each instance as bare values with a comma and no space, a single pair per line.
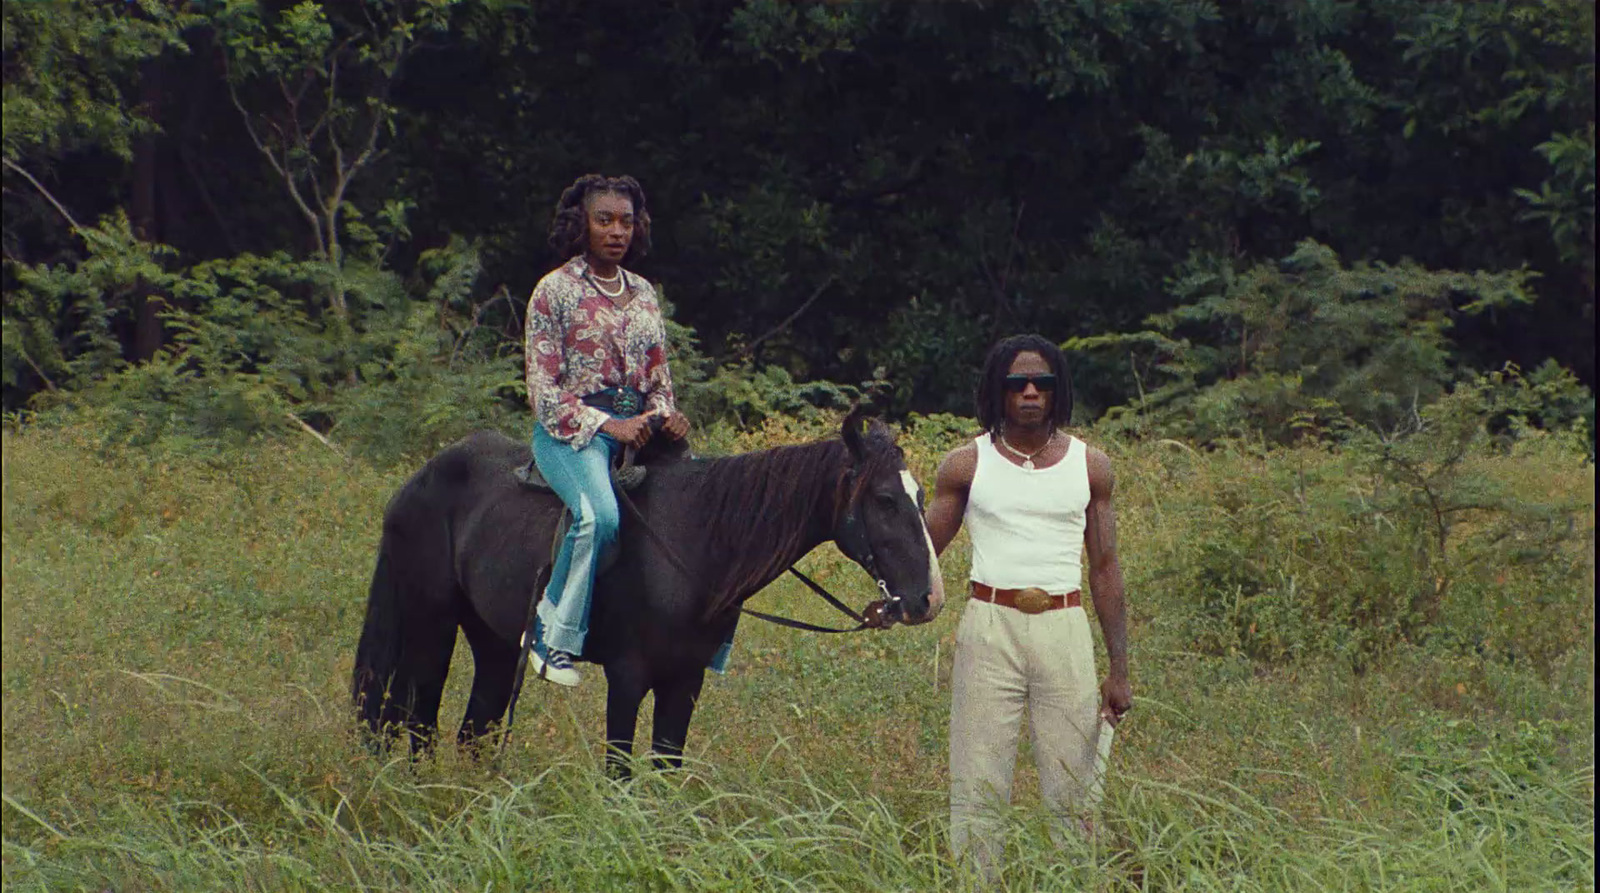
855,423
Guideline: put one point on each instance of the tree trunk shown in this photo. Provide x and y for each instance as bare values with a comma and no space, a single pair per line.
147,332
336,296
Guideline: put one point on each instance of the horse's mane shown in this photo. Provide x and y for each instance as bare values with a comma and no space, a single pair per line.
758,506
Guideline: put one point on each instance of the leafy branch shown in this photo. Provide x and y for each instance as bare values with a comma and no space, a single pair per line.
330,104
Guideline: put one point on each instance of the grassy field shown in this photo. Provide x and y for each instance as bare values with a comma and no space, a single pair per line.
178,630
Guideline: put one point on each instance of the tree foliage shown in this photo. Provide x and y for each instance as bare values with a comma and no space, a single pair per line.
843,192
68,72
1253,352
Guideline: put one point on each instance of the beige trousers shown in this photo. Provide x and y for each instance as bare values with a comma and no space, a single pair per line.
1007,662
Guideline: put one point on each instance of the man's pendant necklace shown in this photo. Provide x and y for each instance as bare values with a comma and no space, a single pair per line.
1027,458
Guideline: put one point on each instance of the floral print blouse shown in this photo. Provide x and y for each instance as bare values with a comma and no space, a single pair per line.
577,341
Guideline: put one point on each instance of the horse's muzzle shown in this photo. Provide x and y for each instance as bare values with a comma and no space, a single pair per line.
913,612
913,617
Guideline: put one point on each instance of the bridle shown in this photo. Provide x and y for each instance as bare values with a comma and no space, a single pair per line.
850,535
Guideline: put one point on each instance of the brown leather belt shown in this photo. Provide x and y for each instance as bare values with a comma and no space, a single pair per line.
1032,600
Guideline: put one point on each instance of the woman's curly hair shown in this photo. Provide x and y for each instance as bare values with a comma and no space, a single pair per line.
569,230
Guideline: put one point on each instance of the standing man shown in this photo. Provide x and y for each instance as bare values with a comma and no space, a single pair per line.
1036,501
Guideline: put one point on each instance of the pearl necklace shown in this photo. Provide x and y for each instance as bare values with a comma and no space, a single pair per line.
1027,458
622,284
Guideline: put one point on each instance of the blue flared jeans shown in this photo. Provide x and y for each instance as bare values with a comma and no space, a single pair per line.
582,478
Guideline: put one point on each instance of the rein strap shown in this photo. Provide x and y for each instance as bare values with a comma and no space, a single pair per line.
672,557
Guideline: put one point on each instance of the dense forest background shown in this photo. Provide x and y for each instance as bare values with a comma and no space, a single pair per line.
1324,271
226,216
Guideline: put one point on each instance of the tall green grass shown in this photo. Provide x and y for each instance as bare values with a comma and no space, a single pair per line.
178,629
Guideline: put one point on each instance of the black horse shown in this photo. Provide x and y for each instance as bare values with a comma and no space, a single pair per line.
463,543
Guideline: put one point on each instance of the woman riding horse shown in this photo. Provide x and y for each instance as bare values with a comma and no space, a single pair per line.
464,541
596,354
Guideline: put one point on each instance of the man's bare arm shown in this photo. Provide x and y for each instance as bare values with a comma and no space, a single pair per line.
949,503
1105,581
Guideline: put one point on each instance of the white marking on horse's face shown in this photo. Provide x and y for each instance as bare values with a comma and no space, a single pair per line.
936,597
913,489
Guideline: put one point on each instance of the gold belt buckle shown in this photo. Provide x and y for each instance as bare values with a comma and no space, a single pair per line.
1032,600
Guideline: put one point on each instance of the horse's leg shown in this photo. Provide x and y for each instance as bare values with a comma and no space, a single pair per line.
429,645
675,702
626,684
494,663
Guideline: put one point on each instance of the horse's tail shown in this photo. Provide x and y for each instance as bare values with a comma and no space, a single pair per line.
408,619
378,653
411,622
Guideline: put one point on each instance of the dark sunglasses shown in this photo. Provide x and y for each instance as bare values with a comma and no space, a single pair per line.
1016,384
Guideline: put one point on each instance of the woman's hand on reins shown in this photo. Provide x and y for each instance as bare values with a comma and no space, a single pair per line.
675,425
634,432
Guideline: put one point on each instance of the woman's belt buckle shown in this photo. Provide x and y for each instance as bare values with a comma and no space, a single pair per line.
626,401
1032,600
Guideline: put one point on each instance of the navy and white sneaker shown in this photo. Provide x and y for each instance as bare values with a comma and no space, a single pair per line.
555,666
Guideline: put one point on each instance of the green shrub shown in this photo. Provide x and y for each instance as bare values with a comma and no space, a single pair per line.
59,318
1436,537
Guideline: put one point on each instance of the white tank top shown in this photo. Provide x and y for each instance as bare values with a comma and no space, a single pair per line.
1027,526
